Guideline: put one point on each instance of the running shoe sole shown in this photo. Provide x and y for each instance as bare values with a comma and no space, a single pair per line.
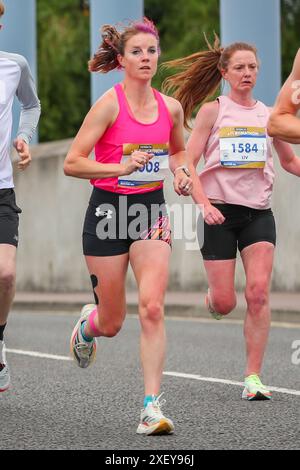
163,427
257,397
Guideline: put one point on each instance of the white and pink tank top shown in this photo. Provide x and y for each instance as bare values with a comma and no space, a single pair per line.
126,135
238,156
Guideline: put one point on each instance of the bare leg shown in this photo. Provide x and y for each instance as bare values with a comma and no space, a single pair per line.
150,263
110,272
7,280
258,263
220,275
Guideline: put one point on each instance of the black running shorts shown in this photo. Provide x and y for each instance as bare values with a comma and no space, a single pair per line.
114,221
242,227
9,217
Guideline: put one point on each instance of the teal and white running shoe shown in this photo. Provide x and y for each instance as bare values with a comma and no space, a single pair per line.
214,314
255,390
153,422
4,370
84,352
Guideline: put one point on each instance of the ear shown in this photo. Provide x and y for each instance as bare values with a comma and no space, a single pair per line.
120,60
224,73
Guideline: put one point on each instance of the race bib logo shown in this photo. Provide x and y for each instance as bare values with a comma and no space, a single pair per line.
153,173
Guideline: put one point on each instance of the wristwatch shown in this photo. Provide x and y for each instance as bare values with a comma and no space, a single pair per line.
184,169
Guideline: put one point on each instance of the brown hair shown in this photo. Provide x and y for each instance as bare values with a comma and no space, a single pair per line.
113,43
2,9
201,74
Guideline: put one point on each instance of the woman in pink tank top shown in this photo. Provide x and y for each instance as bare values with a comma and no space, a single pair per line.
137,134
234,188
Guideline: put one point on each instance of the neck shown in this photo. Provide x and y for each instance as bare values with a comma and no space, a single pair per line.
137,90
244,99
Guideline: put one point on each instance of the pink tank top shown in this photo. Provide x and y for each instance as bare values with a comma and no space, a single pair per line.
128,134
238,156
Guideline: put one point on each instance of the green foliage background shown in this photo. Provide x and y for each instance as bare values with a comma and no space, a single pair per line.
63,51
64,82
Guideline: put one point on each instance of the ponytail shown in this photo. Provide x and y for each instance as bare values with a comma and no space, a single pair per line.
201,74
106,57
199,79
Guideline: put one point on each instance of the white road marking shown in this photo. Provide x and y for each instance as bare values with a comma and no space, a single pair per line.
227,382
171,374
38,354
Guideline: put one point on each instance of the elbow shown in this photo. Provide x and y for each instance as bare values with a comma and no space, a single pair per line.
274,126
271,127
68,169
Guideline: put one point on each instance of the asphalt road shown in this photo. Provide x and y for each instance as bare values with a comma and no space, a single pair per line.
52,404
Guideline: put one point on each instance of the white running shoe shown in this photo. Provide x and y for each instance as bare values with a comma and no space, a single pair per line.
4,370
255,390
84,352
153,422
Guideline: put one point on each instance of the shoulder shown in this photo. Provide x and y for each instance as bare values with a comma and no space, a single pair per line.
106,108
108,100
208,113
172,104
296,66
17,58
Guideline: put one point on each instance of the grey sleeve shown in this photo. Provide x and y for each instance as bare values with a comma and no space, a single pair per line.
30,104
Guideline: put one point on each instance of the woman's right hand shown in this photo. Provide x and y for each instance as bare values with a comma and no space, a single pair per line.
212,215
137,160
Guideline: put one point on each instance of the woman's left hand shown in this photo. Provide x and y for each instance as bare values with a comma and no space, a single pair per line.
183,184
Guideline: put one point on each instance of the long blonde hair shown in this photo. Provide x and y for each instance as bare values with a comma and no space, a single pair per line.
200,74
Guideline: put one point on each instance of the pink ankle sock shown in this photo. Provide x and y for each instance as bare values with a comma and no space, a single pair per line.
91,322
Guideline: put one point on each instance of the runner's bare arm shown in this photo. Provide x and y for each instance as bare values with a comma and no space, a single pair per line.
176,144
100,117
284,123
182,182
204,123
288,159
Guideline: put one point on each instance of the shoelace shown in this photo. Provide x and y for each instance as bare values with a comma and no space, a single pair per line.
156,405
83,348
257,381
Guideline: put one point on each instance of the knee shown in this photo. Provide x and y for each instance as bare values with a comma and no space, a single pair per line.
151,312
224,304
257,297
7,279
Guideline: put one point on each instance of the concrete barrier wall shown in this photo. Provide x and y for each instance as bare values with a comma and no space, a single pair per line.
50,254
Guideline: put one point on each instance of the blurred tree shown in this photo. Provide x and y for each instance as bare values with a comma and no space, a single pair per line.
181,24
63,50
64,81
290,29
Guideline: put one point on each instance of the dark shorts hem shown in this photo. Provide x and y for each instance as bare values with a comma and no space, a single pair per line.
241,248
243,227
9,218
105,207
